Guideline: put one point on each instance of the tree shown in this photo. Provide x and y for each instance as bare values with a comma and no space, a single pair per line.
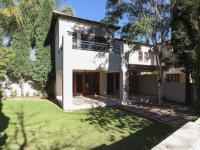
29,39
30,27
19,66
5,56
10,18
146,19
68,10
41,67
185,39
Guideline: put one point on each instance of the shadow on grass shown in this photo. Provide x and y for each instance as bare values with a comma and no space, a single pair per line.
144,139
142,133
30,133
113,118
4,121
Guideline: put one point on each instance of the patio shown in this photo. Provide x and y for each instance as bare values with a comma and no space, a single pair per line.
84,102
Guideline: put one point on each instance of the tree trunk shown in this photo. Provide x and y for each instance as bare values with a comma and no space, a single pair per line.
21,84
160,87
44,93
159,76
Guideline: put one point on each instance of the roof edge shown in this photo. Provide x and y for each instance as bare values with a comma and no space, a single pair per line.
57,13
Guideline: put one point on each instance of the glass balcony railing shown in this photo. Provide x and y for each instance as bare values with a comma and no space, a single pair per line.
95,46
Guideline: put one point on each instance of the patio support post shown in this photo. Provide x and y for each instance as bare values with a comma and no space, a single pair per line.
67,97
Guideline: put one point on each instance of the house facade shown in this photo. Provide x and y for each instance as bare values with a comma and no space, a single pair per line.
89,60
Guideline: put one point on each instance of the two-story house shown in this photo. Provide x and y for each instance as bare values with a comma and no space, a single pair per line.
90,61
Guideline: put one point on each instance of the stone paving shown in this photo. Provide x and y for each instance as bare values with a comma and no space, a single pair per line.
185,138
85,102
169,114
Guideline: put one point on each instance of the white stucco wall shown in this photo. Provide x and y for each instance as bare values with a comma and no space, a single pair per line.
174,91
69,59
147,84
83,59
59,83
91,60
13,89
133,57
58,48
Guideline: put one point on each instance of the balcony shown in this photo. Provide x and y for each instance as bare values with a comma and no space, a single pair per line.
95,46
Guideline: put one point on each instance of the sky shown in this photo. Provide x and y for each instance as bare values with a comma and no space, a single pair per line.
87,9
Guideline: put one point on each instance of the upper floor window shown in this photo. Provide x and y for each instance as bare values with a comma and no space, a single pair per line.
146,56
140,56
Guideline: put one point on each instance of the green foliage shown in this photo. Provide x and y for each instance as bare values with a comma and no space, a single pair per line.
20,65
68,10
186,35
27,24
41,67
145,20
36,17
5,56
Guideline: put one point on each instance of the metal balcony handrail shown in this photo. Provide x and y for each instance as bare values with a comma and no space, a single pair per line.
95,46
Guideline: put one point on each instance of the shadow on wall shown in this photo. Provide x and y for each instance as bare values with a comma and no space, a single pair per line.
4,121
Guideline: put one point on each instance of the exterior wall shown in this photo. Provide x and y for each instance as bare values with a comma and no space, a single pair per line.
174,91
147,84
87,60
103,83
69,59
59,83
193,93
91,60
133,57
12,89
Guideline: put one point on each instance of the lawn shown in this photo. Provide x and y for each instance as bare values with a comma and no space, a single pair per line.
43,125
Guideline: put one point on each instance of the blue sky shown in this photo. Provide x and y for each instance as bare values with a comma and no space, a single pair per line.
88,9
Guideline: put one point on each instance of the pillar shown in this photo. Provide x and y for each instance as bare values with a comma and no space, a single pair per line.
67,94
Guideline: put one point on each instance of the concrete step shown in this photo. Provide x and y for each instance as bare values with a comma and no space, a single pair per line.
184,138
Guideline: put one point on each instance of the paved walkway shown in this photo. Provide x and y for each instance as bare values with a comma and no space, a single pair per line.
173,115
185,138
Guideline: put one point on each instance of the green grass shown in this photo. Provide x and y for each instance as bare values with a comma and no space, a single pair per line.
43,125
